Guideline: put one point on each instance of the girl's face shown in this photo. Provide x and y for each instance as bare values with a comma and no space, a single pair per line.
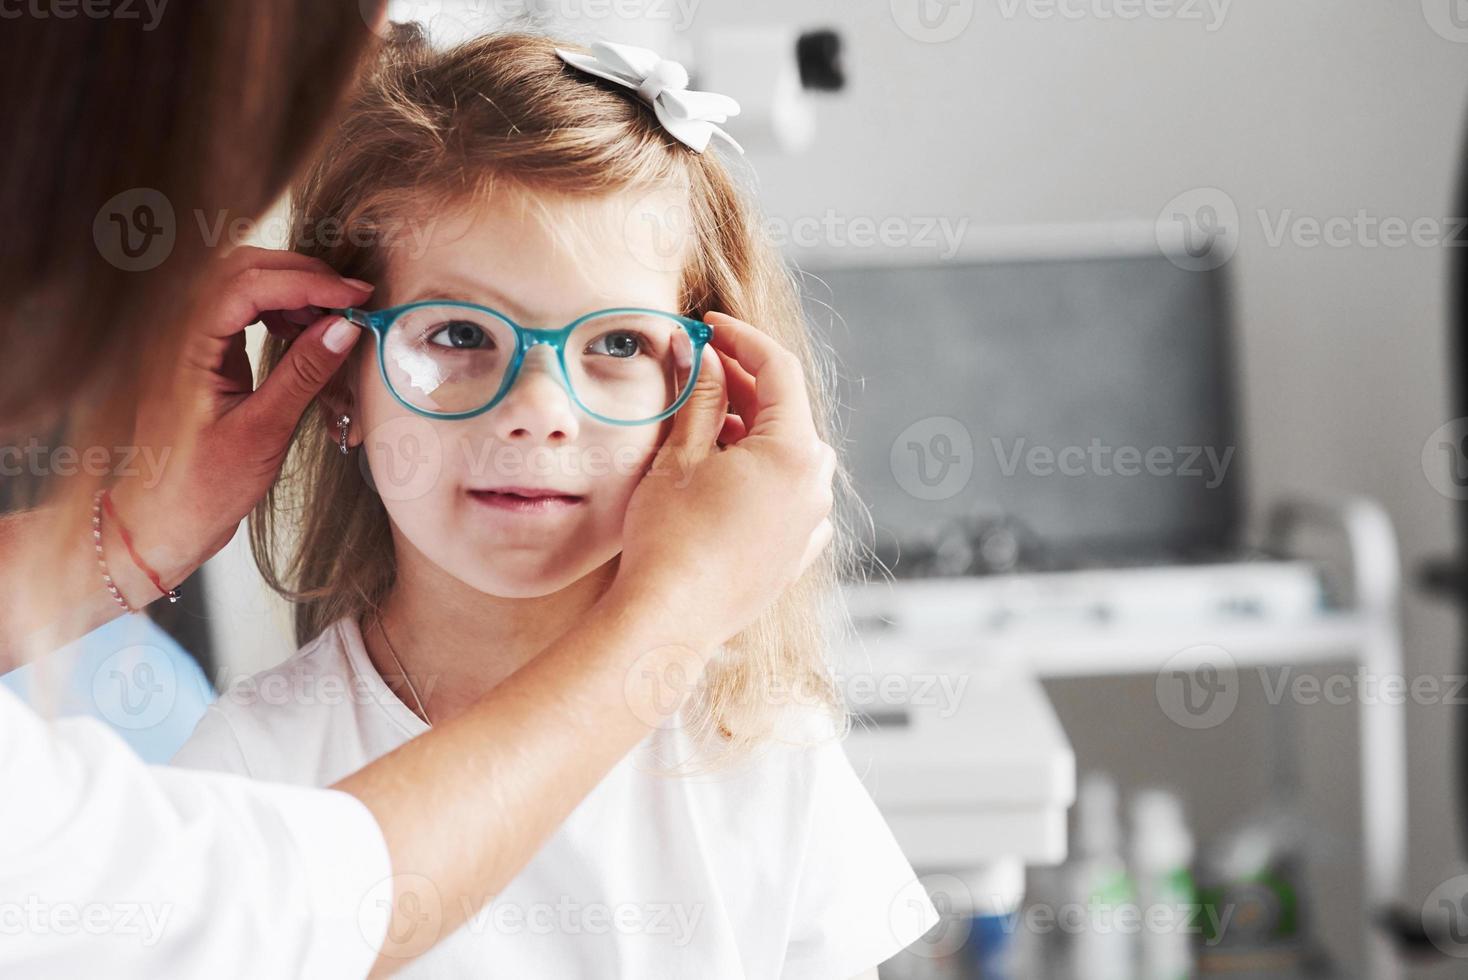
445,484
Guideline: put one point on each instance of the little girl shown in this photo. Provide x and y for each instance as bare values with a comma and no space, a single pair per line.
550,247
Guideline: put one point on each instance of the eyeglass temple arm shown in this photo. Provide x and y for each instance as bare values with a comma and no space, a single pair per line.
360,317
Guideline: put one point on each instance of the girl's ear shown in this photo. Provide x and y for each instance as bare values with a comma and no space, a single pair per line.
339,399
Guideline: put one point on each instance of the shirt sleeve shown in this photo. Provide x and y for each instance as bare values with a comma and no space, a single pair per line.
213,746
129,870
858,901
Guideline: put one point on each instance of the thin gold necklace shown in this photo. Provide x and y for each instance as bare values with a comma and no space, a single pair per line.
422,711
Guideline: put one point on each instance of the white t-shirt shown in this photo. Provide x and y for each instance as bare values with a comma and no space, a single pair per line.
110,867
780,867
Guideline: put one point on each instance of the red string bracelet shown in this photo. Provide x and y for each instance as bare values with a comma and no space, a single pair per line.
127,541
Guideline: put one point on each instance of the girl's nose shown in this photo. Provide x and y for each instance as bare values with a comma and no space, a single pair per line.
537,408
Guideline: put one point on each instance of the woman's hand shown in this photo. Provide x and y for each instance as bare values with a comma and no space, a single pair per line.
225,440
714,535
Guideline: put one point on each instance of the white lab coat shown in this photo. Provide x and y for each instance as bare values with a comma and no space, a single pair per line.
110,867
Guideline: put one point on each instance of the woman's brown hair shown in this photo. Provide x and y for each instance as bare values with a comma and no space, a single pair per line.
208,106
433,129
130,132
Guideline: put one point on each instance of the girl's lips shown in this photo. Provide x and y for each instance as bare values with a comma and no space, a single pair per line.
517,504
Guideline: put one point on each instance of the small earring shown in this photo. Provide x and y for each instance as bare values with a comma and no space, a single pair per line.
343,423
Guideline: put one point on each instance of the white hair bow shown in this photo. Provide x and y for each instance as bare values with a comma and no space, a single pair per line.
691,117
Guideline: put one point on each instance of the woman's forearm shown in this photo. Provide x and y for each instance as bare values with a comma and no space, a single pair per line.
74,601
465,806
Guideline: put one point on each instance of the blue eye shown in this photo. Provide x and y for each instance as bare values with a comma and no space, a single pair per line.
460,334
618,343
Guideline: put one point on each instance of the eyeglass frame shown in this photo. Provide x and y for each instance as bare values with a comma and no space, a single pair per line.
381,321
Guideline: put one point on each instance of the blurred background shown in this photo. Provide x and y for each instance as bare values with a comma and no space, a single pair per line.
1144,312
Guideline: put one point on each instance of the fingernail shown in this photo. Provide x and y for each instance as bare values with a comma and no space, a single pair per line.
340,335
359,284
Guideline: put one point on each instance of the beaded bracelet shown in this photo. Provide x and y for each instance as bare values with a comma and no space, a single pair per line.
103,500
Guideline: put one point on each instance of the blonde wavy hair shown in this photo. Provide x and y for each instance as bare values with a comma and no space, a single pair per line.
431,129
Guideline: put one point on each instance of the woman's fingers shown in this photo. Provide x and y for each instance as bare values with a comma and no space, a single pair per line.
781,405
733,430
697,424
251,256
819,539
247,262
249,294
741,387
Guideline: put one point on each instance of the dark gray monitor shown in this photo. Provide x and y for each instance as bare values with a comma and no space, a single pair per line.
1092,399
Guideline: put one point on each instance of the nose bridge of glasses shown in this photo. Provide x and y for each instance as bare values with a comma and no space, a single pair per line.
551,361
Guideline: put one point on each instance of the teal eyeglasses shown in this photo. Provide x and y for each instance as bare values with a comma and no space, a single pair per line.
452,360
